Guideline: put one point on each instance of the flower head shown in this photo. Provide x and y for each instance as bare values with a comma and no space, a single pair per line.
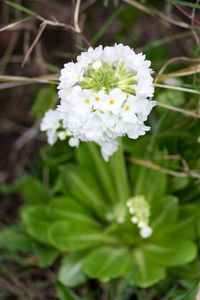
139,210
104,95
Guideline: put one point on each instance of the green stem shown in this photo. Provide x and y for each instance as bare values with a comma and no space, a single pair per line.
103,171
119,174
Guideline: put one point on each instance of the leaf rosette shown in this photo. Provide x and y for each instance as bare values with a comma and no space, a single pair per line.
90,224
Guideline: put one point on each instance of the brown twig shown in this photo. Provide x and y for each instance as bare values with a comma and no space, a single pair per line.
180,73
52,79
41,30
185,112
172,60
76,16
15,24
150,165
177,88
156,13
185,13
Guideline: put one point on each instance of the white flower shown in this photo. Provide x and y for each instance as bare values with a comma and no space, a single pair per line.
113,101
103,96
51,124
123,51
139,209
108,148
70,74
73,142
128,110
62,135
109,54
83,100
146,232
90,56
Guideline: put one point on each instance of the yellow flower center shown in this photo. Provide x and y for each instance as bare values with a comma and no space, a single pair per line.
111,102
86,101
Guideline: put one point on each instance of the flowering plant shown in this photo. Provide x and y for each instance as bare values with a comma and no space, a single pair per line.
103,96
110,222
104,218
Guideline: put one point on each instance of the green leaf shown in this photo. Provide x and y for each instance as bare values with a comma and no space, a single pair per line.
37,222
65,207
70,273
165,214
65,294
151,184
74,236
106,263
46,255
187,224
171,251
99,168
127,232
178,184
15,239
45,99
119,174
146,273
189,272
21,8
81,184
56,154
32,190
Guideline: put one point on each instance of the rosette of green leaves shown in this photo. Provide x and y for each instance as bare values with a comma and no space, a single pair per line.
74,221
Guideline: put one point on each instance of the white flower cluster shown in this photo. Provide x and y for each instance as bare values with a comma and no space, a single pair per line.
103,96
140,213
52,124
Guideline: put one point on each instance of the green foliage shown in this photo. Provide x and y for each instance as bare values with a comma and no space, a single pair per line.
15,239
81,222
172,97
37,220
108,262
69,221
46,255
55,155
65,294
20,7
70,273
32,190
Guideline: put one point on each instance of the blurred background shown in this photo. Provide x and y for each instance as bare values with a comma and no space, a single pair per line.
36,38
